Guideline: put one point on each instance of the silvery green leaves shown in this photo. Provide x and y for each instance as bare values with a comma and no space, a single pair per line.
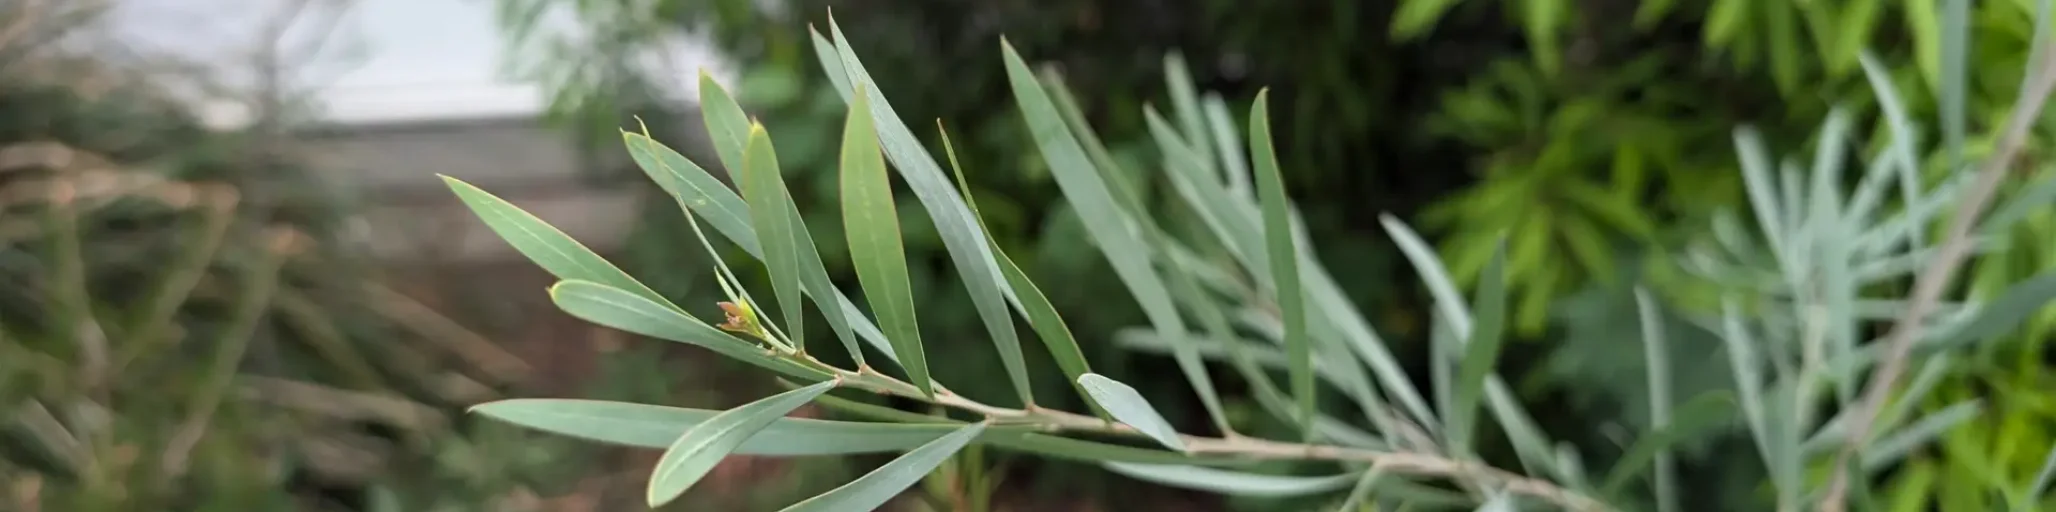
1830,268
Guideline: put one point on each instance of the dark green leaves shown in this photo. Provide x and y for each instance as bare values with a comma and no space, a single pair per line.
1277,211
873,490
872,223
700,448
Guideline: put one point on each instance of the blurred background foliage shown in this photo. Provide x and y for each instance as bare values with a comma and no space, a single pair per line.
183,325
1595,135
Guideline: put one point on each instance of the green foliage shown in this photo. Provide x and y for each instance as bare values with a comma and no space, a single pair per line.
1791,322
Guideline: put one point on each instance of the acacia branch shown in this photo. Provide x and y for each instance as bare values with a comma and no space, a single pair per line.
1932,281
1413,463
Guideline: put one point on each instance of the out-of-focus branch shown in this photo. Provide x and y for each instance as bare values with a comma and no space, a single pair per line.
1932,281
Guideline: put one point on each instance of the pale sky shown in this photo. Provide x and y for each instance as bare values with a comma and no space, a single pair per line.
387,60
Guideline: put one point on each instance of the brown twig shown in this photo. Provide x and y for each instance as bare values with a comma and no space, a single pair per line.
1424,464
1932,281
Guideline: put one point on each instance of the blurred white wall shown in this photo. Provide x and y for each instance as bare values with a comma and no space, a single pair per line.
384,60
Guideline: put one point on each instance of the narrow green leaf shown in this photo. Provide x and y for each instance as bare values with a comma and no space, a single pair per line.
872,490
968,246
1905,134
1748,368
656,426
1226,144
1233,483
831,63
1723,20
1094,452
555,251
1480,352
1955,75
1270,185
1118,236
697,450
700,193
1500,502
2040,485
1903,406
1520,427
1031,303
1762,191
1117,178
1414,18
2040,35
620,309
1185,104
1694,419
683,179
1890,449
2036,197
1859,21
1429,266
1656,356
1024,439
727,125
2003,313
763,187
872,223
1362,491
1128,406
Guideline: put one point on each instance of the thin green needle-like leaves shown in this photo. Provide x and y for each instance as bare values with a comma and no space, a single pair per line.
729,128
1270,185
1480,352
2040,485
1520,428
1656,355
763,187
1230,149
701,194
1955,77
621,309
1362,491
1117,178
1748,368
1763,192
967,244
871,222
696,452
1029,301
656,426
1694,419
542,243
1233,483
1118,236
1185,104
872,490
727,125
1128,406
694,187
